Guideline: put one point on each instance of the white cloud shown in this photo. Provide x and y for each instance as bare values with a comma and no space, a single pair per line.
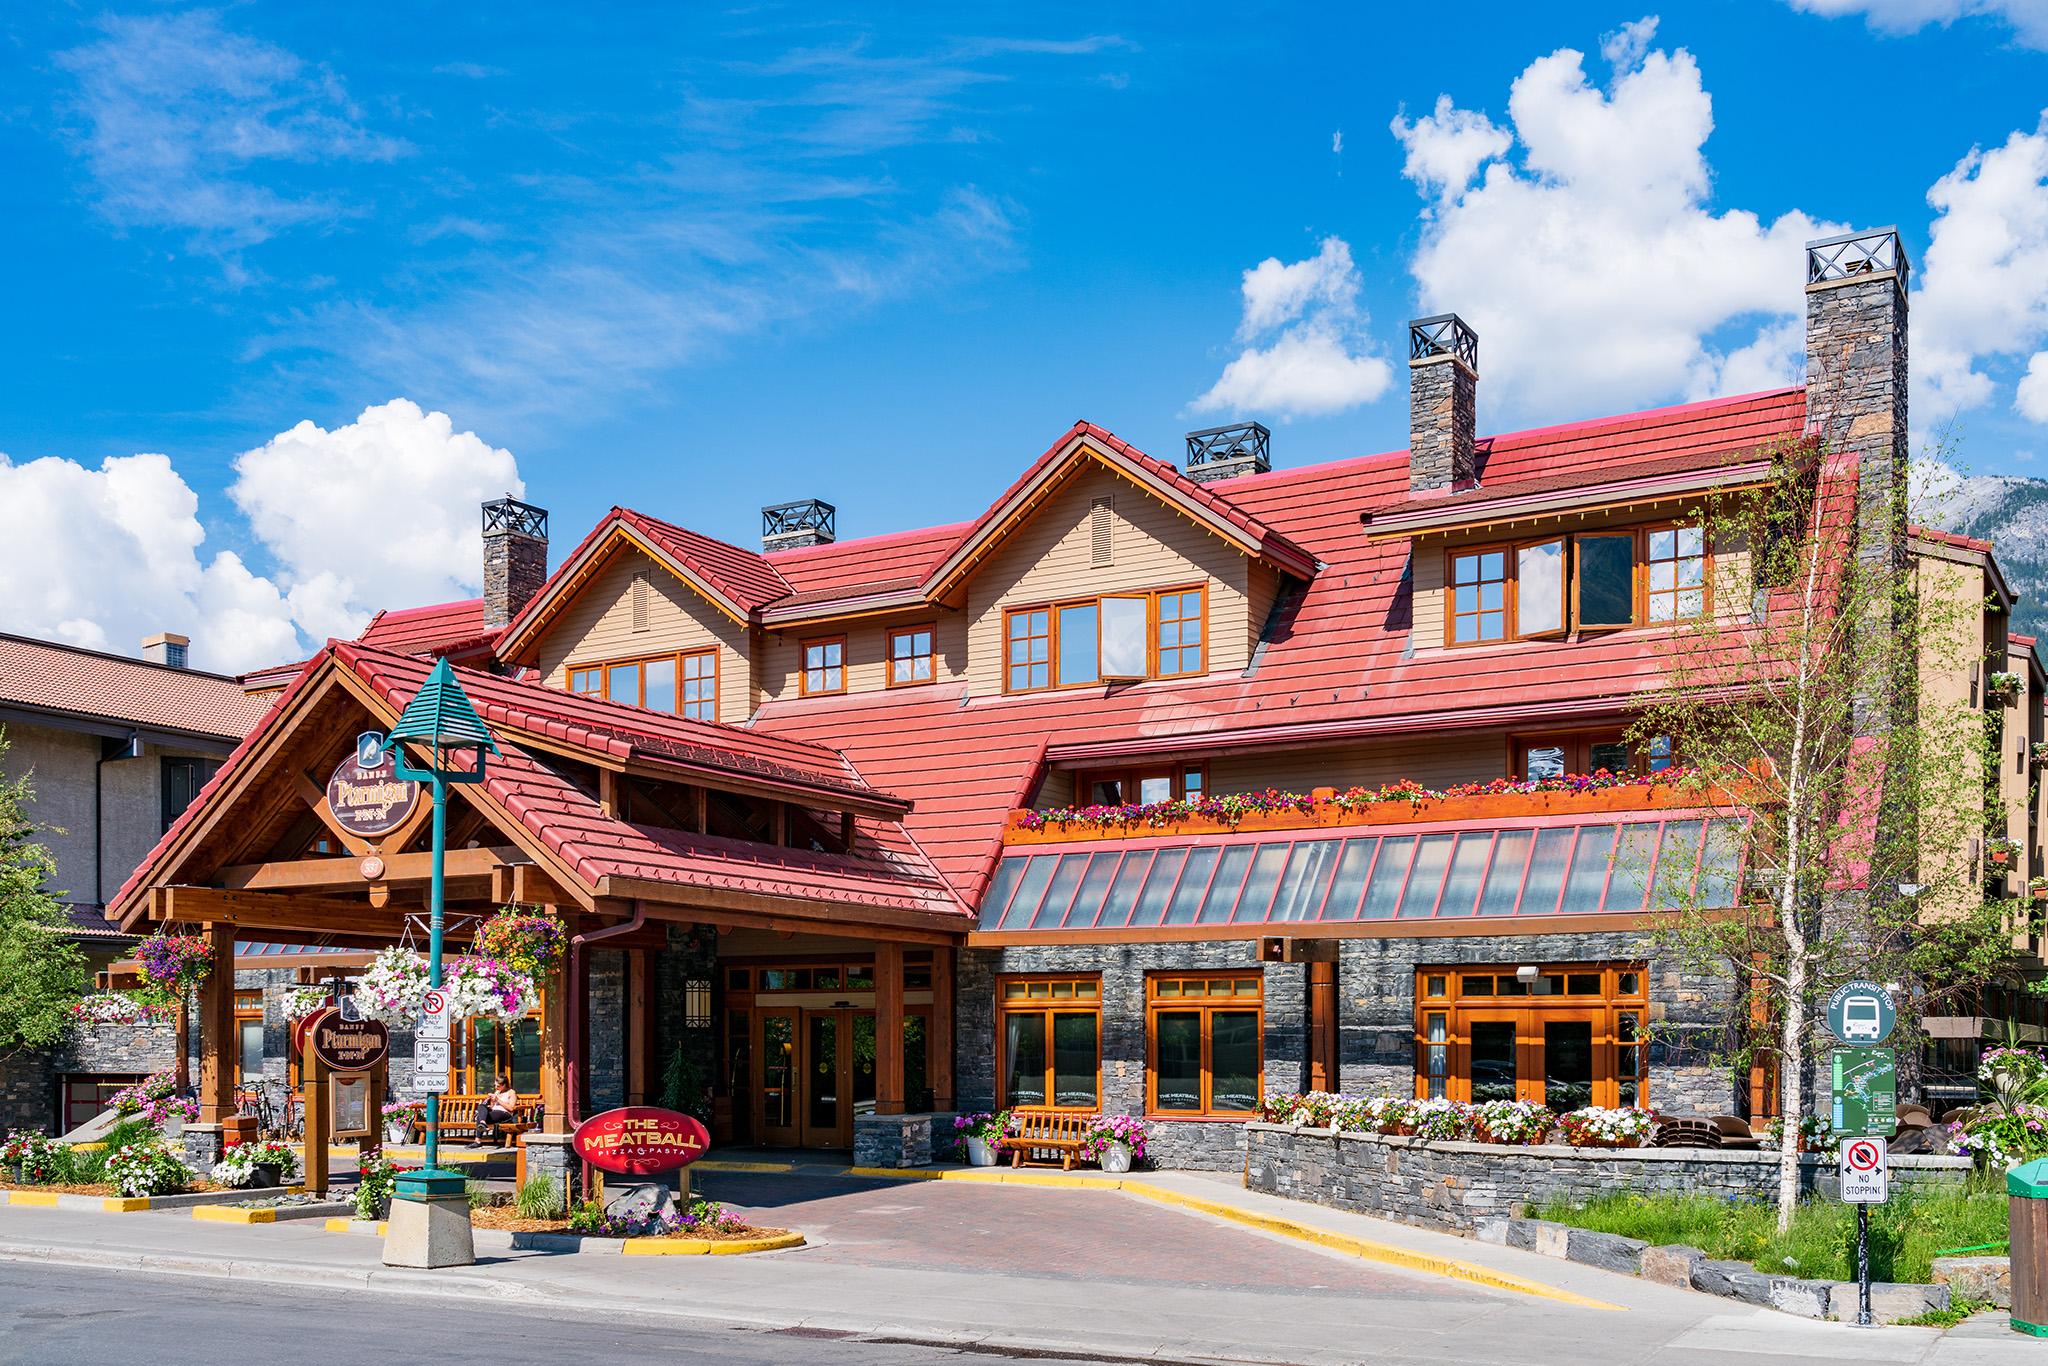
1581,246
189,126
2031,398
1314,360
1337,142
2027,18
1625,48
1983,281
380,512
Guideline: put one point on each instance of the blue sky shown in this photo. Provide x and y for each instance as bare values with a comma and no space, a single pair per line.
698,262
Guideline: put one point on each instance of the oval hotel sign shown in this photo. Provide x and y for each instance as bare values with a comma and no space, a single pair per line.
347,1045
366,795
640,1140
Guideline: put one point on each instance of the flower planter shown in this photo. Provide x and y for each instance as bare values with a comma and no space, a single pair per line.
397,1133
1116,1158
979,1154
265,1176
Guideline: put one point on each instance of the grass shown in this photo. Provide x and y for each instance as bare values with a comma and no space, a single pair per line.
1904,1235
1957,1311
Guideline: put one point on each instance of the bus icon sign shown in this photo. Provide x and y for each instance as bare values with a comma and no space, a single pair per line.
1861,1012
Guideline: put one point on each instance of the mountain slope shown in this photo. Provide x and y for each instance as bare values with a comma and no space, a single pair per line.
2012,513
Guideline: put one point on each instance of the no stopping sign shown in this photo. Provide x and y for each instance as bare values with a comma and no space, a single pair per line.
1864,1171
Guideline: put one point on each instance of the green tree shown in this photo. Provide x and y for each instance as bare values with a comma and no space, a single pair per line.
1824,697
42,971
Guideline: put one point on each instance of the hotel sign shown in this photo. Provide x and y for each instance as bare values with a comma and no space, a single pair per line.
366,796
640,1140
345,1045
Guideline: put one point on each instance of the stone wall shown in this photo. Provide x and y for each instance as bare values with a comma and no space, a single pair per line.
605,1049
1193,1144
28,1080
1457,1185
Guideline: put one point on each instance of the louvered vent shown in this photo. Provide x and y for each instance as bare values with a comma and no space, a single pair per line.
1101,550
639,596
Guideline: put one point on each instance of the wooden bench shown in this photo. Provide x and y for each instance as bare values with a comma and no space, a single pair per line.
458,1116
1045,1131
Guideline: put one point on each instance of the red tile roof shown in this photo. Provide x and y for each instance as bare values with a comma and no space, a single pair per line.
902,559
442,628
1950,538
42,675
744,576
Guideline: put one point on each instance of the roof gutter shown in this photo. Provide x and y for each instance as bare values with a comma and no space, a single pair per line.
1509,506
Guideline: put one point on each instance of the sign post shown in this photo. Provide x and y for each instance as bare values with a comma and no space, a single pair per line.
1865,1111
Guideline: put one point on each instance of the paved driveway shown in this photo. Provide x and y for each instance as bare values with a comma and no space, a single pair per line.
1081,1235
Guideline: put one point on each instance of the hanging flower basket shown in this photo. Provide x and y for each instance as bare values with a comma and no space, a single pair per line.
176,962
393,988
530,939
299,1002
120,1008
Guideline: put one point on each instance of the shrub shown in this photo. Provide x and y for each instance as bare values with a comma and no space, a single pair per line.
42,1158
148,1169
375,1183
237,1167
538,1198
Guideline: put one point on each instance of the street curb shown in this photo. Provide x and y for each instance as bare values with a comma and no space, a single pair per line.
582,1245
124,1204
265,1214
706,1247
1362,1248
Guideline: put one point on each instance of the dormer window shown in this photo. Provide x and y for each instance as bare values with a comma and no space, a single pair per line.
824,666
1115,638
912,657
1521,591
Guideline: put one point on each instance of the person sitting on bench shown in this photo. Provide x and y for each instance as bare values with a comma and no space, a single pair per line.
499,1107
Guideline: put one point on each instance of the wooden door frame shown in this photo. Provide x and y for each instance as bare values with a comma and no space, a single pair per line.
766,1134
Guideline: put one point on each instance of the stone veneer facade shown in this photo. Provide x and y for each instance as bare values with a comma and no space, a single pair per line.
1461,1185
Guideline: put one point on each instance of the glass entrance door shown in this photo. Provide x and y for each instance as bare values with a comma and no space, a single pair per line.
1567,1056
824,1079
817,1073
1494,1067
1547,1056
781,1074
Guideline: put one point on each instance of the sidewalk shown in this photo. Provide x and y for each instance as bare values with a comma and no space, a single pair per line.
1413,1316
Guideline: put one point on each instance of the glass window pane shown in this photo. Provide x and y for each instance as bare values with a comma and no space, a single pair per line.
622,683
1590,860
1257,900
1306,881
1159,882
526,1056
1468,865
1504,874
1583,983
1539,590
1567,1064
1543,761
1611,755
1123,893
1229,881
1073,1060
1177,1068
1077,644
1030,891
1546,872
1159,789
1123,637
1061,893
1493,1060
1101,868
1234,1060
659,677
1193,882
1024,1058
251,1040
1718,870
1388,873
1426,878
1607,580
999,888
1678,858
1633,864
1347,888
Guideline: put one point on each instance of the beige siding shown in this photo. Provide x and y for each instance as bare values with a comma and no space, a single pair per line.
1731,571
1053,557
867,646
1432,760
1264,589
599,626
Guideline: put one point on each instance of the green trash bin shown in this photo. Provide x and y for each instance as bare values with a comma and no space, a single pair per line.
2027,1215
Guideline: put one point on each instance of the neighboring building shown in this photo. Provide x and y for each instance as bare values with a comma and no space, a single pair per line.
116,749
793,788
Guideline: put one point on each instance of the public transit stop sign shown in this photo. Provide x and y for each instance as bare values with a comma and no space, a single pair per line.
1861,1012
1864,1171
640,1140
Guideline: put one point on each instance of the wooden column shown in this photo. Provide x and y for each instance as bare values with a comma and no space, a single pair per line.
313,1144
637,1036
1322,1027
554,1051
217,1029
888,1029
938,1049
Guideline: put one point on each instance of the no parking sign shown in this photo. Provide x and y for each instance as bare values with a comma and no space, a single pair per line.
1864,1172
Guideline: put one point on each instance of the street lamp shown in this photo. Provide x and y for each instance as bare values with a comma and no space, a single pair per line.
440,721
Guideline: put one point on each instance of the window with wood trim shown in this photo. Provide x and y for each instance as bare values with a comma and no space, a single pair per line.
248,1035
1588,581
1479,597
1555,755
1566,1035
824,666
700,685
1140,784
589,680
913,654
1675,574
1205,1043
1118,637
1049,1042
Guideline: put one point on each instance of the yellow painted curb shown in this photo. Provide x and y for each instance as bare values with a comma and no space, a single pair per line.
346,1225
1370,1251
41,1199
716,1165
87,1147
223,1214
705,1247
124,1204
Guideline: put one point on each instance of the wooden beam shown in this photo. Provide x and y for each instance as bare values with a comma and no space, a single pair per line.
258,911
554,1050
637,1020
888,1029
681,901
608,792
1322,1026
789,925
217,1029
315,797
348,873
938,1051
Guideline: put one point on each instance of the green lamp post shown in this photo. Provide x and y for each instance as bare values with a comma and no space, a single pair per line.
440,721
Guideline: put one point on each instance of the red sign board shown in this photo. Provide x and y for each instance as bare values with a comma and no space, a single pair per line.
640,1140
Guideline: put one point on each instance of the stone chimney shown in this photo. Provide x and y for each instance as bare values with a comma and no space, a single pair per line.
166,647
1443,398
1226,452
1856,369
808,521
515,557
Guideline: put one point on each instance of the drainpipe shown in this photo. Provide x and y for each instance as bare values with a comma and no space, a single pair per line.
575,1049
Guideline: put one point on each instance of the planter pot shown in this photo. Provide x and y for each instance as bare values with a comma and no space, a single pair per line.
1116,1158
397,1133
979,1154
266,1176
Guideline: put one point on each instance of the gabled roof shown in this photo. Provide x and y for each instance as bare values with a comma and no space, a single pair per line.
66,681
442,628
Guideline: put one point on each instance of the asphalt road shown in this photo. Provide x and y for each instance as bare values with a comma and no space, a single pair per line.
66,1316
